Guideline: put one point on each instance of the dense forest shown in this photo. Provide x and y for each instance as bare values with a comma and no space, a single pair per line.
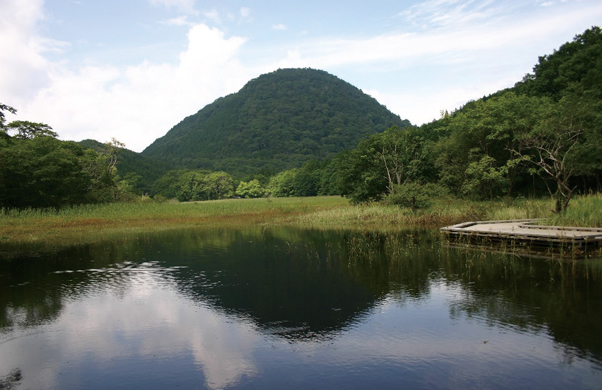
302,132
279,120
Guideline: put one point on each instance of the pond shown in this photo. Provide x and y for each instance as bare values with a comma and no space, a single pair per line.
298,309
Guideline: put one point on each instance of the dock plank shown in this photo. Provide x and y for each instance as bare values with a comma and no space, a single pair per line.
525,232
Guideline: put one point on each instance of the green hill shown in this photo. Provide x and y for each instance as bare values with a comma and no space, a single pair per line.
277,121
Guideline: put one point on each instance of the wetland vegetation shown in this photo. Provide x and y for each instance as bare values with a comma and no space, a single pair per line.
33,229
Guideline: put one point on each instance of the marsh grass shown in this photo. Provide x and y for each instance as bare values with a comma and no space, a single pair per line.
90,223
584,210
443,212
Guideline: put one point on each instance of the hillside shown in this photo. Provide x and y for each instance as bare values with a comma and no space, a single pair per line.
276,121
148,169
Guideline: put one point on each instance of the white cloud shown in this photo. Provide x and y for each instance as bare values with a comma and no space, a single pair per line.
182,5
439,13
138,104
245,12
179,21
279,27
220,347
23,68
213,15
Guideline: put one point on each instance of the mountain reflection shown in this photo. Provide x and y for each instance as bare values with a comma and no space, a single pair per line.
295,285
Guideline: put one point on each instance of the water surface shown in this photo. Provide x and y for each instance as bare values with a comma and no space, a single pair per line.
286,308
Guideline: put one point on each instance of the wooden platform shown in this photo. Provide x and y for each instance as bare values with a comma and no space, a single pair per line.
524,233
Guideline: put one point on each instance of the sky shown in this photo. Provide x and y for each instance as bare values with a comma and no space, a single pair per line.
133,69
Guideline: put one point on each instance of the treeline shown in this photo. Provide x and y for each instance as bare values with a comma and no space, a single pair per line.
38,170
312,179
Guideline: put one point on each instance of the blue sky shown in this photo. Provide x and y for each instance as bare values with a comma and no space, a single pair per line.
132,69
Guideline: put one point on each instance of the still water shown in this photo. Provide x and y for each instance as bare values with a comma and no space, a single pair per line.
298,309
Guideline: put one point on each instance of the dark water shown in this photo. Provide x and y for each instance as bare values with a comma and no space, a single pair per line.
274,309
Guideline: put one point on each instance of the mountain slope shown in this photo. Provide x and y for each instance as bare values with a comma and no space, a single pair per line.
276,121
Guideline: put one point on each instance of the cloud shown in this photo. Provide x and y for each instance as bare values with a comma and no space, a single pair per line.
445,66
23,67
219,346
446,13
213,15
179,21
182,5
279,27
137,104
245,12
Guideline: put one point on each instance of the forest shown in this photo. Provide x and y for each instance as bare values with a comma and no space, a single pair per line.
542,137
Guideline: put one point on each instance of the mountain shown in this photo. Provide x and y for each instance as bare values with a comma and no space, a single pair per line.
277,121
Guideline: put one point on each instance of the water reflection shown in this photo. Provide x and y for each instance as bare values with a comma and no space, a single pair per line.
255,309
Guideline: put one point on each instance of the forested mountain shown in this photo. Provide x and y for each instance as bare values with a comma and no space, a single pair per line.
277,121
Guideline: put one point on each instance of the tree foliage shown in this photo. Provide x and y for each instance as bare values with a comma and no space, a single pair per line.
38,170
383,161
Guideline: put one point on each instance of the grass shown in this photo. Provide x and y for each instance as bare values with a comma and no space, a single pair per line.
582,211
89,223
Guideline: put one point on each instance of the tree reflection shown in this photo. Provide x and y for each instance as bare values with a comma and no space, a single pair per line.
306,285
12,380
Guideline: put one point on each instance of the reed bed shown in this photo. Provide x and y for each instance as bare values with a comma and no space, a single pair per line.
89,223
584,210
442,212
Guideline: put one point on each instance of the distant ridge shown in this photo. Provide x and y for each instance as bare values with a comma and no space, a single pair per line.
275,122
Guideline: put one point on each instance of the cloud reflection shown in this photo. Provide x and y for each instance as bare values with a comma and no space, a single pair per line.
142,321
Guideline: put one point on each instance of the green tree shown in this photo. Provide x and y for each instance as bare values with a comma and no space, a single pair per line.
29,130
218,185
190,186
381,162
555,147
167,185
251,189
42,172
282,184
478,157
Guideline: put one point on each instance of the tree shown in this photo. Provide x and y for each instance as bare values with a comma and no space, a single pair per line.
42,172
190,186
218,185
282,184
381,162
575,65
251,189
402,153
167,185
4,107
554,146
478,158
29,130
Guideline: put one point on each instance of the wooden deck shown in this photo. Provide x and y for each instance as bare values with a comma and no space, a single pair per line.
524,233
